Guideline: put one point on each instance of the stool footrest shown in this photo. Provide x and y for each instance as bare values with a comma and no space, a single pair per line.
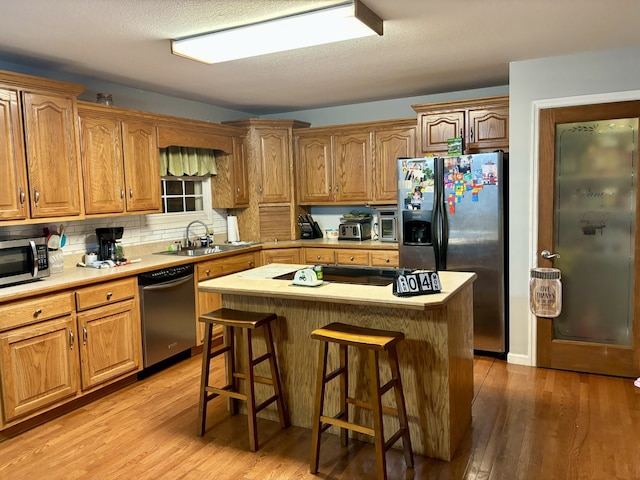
394,438
387,386
351,426
218,351
260,359
226,391
334,374
361,404
256,379
266,403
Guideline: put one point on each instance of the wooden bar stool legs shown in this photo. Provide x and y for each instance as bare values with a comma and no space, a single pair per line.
373,342
246,322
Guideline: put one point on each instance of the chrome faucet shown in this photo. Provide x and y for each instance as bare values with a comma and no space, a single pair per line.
206,232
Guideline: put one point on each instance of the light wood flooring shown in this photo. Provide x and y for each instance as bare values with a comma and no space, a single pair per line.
528,423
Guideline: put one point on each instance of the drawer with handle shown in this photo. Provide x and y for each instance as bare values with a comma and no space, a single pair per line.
105,293
25,312
352,257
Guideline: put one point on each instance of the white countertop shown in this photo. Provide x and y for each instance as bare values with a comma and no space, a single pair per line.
260,282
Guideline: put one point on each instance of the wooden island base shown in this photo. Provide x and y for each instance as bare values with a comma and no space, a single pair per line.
436,358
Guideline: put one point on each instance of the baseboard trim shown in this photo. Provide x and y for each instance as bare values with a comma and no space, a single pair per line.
519,359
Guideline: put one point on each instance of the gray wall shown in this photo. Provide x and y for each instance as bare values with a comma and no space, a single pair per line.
605,72
383,109
135,98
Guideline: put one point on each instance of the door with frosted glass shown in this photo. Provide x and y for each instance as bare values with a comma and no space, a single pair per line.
588,217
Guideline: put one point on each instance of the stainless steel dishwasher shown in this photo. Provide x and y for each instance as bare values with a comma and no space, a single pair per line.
168,312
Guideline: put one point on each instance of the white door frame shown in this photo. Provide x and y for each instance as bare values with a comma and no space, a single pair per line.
538,105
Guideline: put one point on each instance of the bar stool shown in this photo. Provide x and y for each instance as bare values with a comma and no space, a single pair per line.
247,322
373,341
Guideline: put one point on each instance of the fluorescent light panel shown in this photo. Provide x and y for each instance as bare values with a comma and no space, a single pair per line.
334,24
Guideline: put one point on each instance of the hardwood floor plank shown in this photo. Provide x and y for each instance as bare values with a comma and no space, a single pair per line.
528,424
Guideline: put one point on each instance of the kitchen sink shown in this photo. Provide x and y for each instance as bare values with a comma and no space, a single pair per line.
198,252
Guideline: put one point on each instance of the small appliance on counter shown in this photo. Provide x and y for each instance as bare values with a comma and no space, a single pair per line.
388,225
23,259
309,228
355,227
108,248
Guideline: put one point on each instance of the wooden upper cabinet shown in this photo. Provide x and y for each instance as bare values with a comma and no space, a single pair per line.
141,166
52,154
13,194
314,168
273,165
102,167
438,128
390,144
488,128
352,167
483,124
120,161
240,173
354,163
230,186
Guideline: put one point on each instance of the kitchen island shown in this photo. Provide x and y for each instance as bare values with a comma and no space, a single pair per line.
436,358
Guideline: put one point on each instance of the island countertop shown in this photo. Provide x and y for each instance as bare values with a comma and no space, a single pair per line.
260,282
436,356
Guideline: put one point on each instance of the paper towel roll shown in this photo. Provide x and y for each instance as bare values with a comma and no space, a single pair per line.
233,234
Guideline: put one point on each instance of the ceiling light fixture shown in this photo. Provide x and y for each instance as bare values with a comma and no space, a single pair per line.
333,24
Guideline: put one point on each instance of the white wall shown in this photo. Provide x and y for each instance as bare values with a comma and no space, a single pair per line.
605,72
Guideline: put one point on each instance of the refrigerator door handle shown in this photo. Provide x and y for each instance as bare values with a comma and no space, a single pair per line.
440,225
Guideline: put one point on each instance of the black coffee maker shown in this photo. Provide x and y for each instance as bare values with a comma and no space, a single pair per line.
107,243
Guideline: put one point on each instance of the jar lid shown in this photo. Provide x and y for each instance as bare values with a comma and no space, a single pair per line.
545,273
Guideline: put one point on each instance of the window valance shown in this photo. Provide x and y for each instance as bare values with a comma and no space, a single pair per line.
179,161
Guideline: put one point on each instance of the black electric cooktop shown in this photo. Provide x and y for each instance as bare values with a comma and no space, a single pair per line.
355,275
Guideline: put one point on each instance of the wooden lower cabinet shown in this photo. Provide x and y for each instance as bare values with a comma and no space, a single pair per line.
281,255
39,366
109,342
212,301
61,346
384,258
351,256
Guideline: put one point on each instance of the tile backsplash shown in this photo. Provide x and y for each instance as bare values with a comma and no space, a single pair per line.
138,229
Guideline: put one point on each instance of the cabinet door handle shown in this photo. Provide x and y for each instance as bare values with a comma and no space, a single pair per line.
22,197
351,258
37,312
318,257
471,134
109,295
130,192
122,193
386,260
460,133
207,272
84,335
36,195
260,189
337,186
72,340
250,263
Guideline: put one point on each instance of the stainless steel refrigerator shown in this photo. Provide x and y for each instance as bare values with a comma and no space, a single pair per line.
453,218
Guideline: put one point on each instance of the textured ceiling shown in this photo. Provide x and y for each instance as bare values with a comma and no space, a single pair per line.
428,46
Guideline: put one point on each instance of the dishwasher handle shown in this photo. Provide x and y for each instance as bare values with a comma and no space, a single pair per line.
169,284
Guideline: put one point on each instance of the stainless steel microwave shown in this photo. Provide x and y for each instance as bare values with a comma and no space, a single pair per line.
23,259
388,225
